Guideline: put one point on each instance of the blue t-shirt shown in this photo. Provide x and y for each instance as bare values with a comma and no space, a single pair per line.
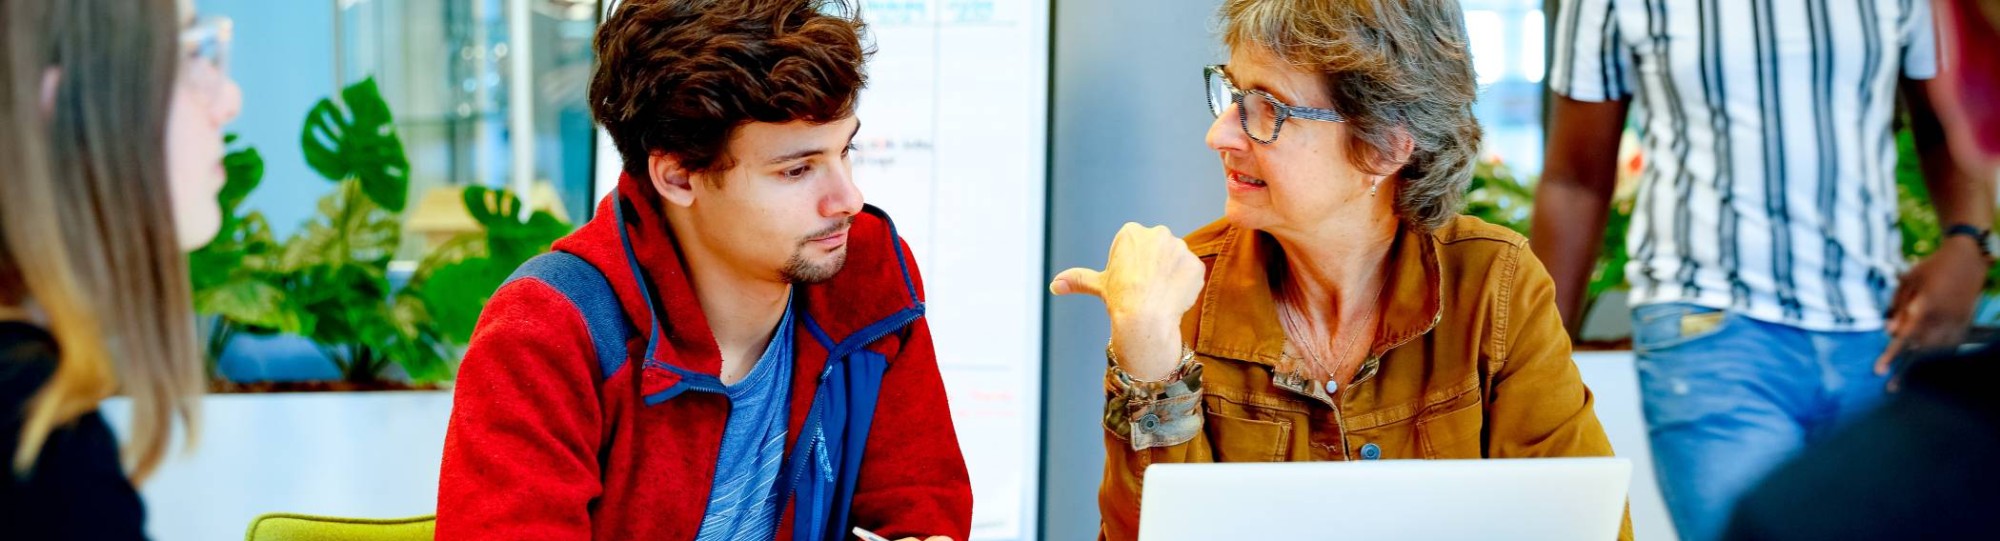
744,504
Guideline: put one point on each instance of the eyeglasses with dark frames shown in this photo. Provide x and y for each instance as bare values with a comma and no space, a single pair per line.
1260,113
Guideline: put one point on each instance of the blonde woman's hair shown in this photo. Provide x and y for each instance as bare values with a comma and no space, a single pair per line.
86,227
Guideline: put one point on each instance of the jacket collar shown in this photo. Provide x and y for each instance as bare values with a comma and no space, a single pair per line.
1239,315
628,240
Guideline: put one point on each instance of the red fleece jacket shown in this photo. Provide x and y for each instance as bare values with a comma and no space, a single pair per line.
542,446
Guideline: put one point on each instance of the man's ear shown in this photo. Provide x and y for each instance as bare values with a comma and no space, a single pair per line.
674,182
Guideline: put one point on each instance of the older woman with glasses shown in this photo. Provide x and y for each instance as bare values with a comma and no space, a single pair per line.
1342,309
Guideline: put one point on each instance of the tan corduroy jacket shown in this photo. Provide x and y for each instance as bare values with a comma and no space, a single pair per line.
1470,361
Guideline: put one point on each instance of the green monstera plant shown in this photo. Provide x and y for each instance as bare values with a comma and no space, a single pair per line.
459,277
236,276
356,138
330,282
339,261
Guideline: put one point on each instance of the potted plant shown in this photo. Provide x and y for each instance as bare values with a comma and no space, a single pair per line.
330,282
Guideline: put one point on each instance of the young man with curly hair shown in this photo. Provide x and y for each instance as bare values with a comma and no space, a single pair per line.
733,348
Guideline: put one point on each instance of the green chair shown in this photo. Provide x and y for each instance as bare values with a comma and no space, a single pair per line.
293,527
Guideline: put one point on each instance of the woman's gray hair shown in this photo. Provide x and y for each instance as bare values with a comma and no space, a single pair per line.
1394,69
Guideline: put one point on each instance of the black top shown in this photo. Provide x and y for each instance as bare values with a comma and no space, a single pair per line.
1926,465
77,489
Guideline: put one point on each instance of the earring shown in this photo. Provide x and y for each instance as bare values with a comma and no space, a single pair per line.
1374,186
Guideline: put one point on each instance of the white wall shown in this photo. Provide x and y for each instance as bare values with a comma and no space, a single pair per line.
1125,145
1615,382
370,455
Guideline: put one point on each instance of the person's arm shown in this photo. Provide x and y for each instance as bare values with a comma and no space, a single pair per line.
520,456
1536,403
1152,384
1934,306
1591,77
1146,423
1573,199
1153,411
913,481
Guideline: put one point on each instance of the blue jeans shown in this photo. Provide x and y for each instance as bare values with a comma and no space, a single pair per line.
1728,398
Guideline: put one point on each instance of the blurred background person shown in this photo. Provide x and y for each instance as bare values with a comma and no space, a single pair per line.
1769,289
111,115
1921,466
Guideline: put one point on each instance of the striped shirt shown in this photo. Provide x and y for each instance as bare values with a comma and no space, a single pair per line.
1768,186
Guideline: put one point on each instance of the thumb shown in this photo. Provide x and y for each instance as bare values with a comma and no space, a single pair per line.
1078,280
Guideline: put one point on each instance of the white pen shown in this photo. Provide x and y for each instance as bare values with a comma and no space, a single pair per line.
866,535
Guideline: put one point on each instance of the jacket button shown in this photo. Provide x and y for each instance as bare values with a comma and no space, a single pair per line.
1371,451
1149,422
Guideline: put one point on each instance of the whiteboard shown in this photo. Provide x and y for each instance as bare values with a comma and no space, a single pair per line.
953,145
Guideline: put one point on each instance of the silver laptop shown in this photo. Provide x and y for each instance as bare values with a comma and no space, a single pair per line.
1542,499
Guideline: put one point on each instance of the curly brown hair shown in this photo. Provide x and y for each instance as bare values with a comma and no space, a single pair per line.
679,76
1393,68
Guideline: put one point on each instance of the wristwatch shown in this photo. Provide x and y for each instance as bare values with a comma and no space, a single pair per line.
1989,245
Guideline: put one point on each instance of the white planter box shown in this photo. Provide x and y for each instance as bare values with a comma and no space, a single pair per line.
370,454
